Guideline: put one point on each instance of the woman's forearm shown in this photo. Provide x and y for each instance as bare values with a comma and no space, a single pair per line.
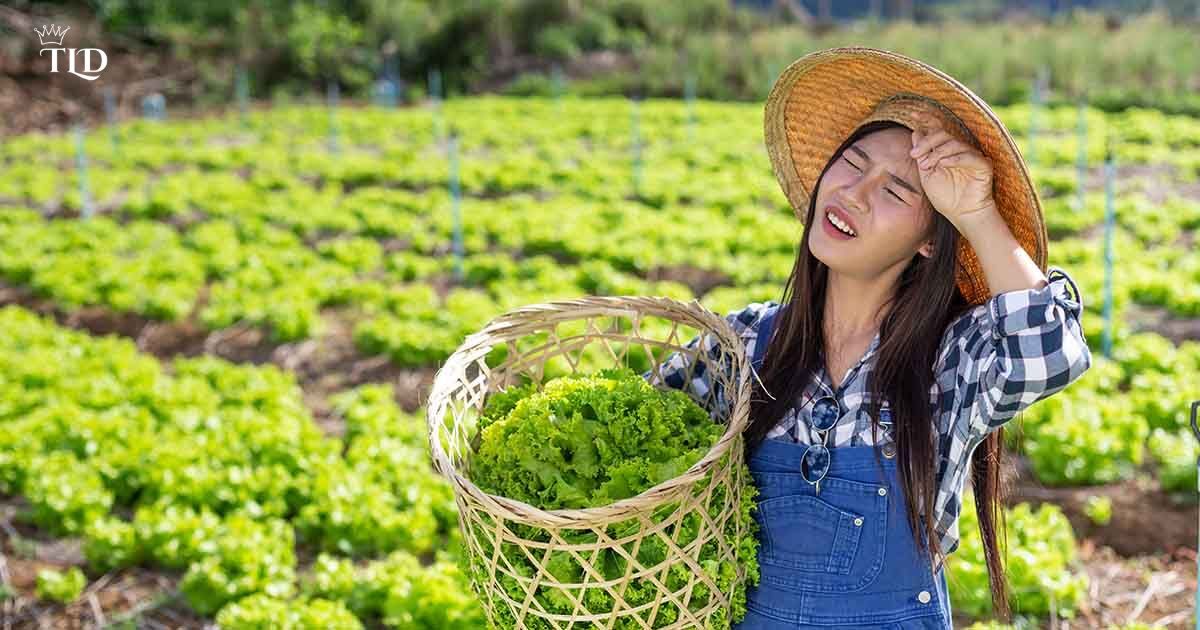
1006,264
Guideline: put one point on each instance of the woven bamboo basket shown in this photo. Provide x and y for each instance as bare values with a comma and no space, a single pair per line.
692,515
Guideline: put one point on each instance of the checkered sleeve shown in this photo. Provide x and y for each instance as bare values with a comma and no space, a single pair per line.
1017,348
677,369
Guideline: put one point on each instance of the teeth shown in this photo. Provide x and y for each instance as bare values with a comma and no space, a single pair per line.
841,225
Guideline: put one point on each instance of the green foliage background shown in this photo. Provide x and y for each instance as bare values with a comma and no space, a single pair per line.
651,48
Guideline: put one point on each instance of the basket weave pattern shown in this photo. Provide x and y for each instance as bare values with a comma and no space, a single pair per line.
653,541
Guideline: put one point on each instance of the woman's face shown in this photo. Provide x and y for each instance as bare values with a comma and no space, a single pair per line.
873,185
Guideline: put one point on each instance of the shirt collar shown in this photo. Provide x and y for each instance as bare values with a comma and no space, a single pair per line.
853,372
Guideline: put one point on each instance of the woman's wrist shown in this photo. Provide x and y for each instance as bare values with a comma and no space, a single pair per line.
978,225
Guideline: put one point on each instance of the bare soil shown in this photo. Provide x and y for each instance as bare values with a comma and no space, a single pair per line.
1145,519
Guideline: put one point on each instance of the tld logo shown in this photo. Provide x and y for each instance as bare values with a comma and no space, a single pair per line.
53,36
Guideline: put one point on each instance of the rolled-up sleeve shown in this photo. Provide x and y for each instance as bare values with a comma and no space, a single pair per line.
1017,348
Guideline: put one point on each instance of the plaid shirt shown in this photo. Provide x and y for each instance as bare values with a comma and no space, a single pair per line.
994,361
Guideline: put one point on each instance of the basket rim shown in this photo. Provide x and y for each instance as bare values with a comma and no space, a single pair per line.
522,512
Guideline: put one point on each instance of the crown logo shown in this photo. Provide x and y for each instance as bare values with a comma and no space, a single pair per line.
52,34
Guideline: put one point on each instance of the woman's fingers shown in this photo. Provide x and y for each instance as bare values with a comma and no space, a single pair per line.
954,160
947,147
944,158
928,142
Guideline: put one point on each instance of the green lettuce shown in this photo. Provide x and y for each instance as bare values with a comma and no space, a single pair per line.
590,440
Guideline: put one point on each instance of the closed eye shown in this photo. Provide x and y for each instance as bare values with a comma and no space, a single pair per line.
887,189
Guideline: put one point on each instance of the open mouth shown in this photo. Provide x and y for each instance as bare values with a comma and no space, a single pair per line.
837,228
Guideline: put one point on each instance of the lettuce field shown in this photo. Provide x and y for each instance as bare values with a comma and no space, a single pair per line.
219,332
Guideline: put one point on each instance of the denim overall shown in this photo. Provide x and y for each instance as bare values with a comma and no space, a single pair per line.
844,558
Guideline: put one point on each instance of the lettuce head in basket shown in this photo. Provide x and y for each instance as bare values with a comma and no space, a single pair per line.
591,440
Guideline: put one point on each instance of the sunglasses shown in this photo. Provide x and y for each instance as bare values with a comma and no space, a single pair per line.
814,464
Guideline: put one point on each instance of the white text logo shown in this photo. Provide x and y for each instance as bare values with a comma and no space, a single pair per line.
53,36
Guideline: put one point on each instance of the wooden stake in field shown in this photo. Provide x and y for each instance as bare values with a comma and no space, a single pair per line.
1034,111
242,90
689,95
772,74
392,74
85,194
110,114
385,93
435,101
1081,162
455,193
1109,225
435,85
636,148
1196,433
154,107
331,98
559,86
998,87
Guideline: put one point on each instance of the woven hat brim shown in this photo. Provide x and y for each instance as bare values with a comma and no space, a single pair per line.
821,98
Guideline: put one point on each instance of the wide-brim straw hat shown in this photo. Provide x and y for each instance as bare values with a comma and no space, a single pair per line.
822,97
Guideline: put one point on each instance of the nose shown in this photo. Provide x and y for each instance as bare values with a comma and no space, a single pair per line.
855,197
859,192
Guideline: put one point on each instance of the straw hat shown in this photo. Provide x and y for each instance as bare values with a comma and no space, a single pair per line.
821,98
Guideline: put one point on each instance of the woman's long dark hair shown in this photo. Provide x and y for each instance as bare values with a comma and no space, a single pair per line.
925,303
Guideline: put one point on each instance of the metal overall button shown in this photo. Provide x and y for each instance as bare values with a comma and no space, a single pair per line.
923,596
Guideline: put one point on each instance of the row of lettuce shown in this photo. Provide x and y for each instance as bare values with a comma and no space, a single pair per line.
235,268
512,144
219,471
226,272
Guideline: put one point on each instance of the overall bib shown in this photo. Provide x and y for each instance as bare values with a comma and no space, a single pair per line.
844,558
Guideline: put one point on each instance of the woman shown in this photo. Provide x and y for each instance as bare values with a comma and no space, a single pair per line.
916,322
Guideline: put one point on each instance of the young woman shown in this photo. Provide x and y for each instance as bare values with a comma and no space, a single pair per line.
916,322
